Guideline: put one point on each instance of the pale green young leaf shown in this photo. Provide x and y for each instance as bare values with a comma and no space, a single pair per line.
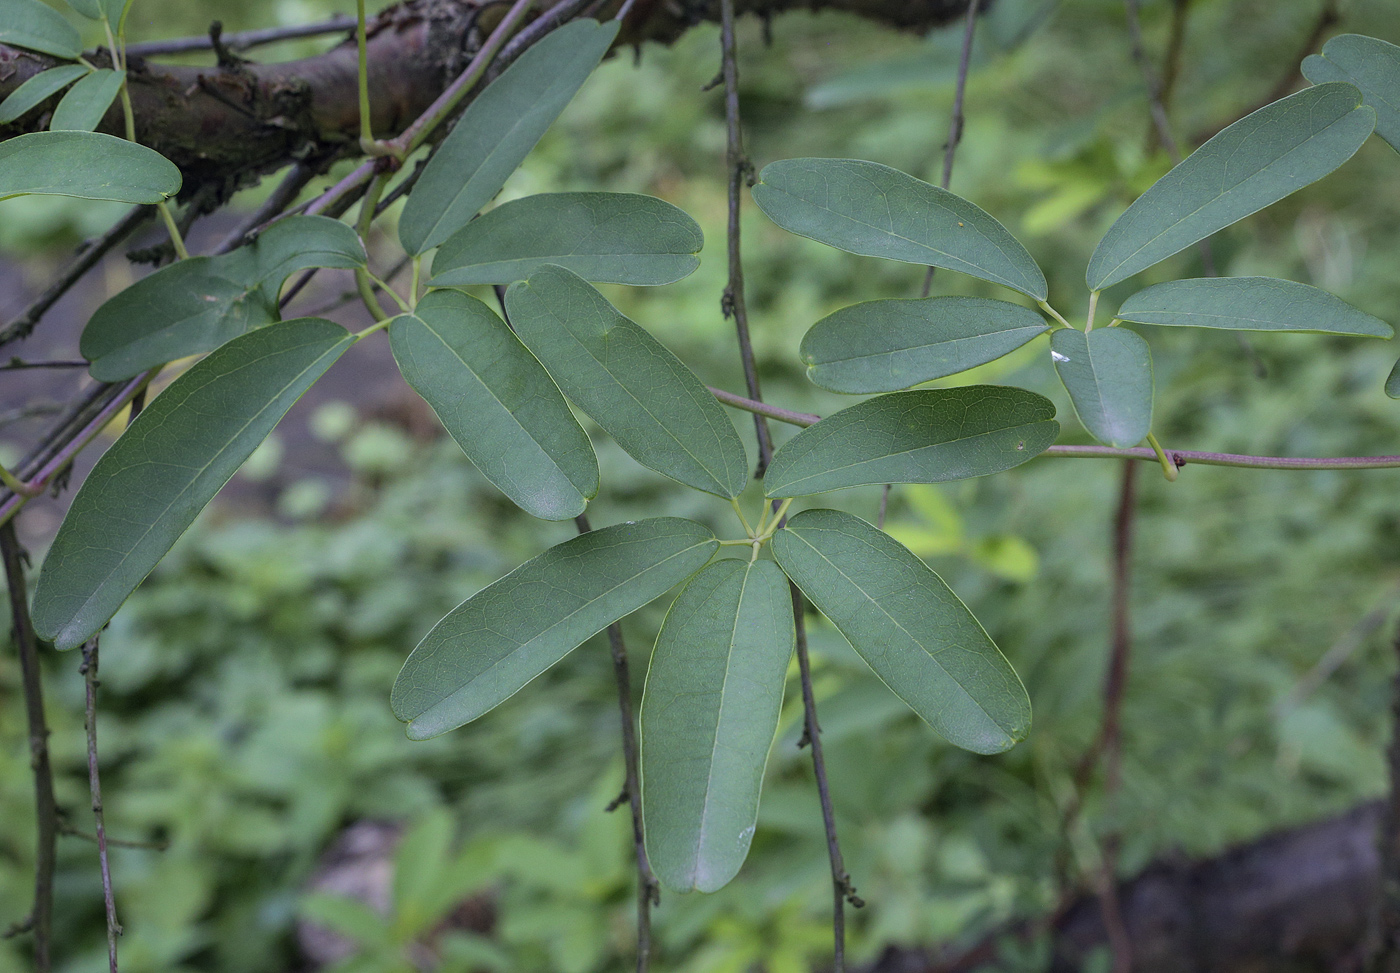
1257,161
1373,65
39,27
161,472
873,210
497,131
494,643
914,632
884,346
713,694
37,89
197,304
82,108
85,164
1108,374
923,436
626,380
497,402
1250,304
616,238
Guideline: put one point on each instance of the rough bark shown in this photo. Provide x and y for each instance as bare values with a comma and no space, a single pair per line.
1300,899
230,125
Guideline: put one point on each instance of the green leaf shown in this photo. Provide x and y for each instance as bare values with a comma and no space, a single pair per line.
491,645
908,626
1250,304
1257,161
876,211
31,24
85,164
497,131
618,238
349,917
82,108
91,9
709,714
883,346
639,392
923,436
1392,384
1370,64
37,89
159,475
197,304
496,400
1108,373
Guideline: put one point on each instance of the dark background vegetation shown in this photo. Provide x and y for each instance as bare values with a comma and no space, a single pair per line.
245,685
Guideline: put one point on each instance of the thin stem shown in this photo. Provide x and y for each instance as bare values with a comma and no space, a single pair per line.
45,807
732,304
414,282
14,484
761,408
647,889
15,365
1044,306
442,108
241,41
1093,307
362,71
364,281
739,512
841,889
1169,468
175,238
114,928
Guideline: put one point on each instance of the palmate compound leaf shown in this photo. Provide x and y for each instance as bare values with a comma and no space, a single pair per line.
873,210
37,26
88,165
162,471
497,131
82,108
922,436
197,304
616,238
1108,373
38,89
709,713
1373,65
884,346
914,632
490,646
1257,161
497,402
626,380
1250,304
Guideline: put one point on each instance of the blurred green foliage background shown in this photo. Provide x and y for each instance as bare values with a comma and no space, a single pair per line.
245,717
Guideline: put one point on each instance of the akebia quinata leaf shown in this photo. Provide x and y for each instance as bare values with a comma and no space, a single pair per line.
197,304
873,210
497,402
82,108
884,346
922,436
1257,161
37,26
88,165
1373,65
1108,373
616,238
497,131
163,470
713,694
39,88
908,626
626,380
1250,304
509,632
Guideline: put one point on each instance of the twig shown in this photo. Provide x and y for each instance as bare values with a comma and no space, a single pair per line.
45,808
842,891
286,192
68,831
648,893
94,251
114,928
15,365
241,41
740,173
1171,60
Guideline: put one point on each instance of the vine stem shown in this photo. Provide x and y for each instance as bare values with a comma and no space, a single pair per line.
40,920
114,928
648,892
241,41
733,304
